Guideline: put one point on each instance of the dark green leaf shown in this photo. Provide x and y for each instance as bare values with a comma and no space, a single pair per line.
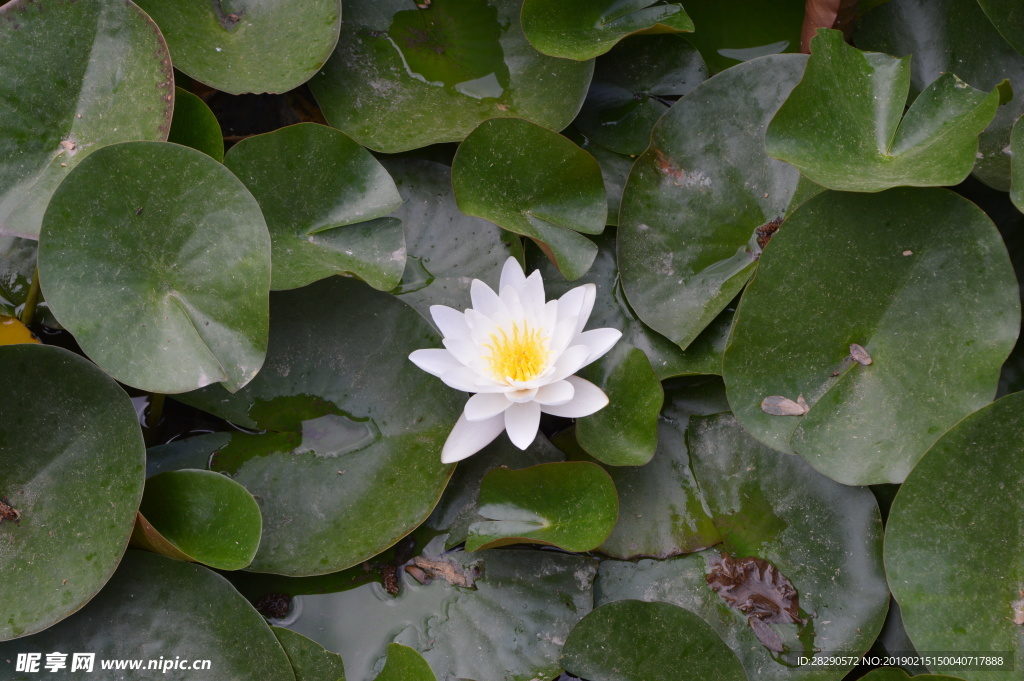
733,31
157,259
700,202
584,29
1017,165
71,476
310,662
638,641
320,193
533,182
953,551
248,45
1008,18
195,126
75,76
860,268
843,125
571,505
405,664
404,77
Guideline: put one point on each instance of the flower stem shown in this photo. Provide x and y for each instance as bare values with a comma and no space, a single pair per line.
28,313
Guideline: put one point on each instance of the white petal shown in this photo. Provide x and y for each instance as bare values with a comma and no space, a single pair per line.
463,350
469,381
450,322
522,422
434,361
484,406
485,300
554,394
589,296
565,331
587,399
532,296
580,302
571,361
599,341
510,299
469,437
512,275
522,395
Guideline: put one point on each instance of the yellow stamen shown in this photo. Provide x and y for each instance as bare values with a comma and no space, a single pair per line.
519,355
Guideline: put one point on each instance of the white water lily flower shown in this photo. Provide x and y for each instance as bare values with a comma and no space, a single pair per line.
518,354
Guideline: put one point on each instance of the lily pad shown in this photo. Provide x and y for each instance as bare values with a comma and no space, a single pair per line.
248,45
310,662
634,85
1008,18
638,641
194,125
350,462
1017,166
165,611
509,625
206,516
584,29
446,249
893,674
694,203
458,508
534,182
838,274
571,505
624,433
157,259
953,552
843,125
321,194
614,170
405,664
404,77
953,36
662,512
106,79
823,538
732,31
70,429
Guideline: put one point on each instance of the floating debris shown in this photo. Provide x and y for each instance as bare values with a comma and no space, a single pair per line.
450,572
757,588
777,405
8,513
859,354
908,253
765,232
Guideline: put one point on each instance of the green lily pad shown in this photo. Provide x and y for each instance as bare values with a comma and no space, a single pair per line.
157,259
206,516
953,35
638,641
953,552
534,182
165,611
614,171
843,125
310,662
458,508
350,462
584,29
71,428
1017,166
328,226
824,538
405,77
624,433
662,512
732,31
1008,18
634,85
837,275
509,625
571,505
446,249
894,674
106,79
248,45
194,125
699,204
611,310
405,664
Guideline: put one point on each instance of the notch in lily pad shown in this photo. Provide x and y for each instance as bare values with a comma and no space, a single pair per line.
534,182
843,126
584,29
199,516
572,505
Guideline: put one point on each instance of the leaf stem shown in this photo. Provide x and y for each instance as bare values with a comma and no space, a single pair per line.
28,313
155,413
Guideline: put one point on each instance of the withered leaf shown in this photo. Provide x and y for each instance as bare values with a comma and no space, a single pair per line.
755,587
859,354
450,572
8,513
777,405
766,635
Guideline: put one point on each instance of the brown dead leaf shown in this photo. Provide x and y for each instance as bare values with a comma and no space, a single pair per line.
859,354
755,587
838,14
444,569
1018,612
777,405
8,513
